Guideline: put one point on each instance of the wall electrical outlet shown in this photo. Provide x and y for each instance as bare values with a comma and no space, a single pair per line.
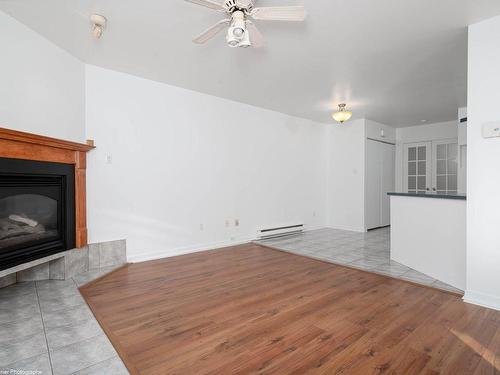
202,227
109,159
227,224
237,222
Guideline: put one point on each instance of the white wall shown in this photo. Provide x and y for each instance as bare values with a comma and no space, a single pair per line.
420,133
181,159
483,174
374,131
428,235
42,87
346,175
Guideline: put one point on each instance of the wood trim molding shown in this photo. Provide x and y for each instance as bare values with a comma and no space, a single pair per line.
15,135
20,145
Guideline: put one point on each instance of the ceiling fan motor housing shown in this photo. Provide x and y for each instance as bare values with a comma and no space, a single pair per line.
243,5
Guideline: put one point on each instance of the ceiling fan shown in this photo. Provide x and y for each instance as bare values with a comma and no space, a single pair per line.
241,30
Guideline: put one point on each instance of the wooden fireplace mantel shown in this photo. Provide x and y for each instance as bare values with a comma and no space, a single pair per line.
19,145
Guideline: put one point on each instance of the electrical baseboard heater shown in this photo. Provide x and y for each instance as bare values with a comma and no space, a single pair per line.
282,231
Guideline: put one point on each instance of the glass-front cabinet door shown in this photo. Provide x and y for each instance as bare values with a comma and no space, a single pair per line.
431,166
418,167
445,165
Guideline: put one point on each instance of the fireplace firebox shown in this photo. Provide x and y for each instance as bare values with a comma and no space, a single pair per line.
37,210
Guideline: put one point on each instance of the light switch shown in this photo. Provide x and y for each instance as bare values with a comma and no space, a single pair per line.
491,129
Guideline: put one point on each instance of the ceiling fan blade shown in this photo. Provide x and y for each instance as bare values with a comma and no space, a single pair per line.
207,3
211,32
256,38
291,13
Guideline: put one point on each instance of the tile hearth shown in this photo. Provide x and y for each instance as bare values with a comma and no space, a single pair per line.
46,327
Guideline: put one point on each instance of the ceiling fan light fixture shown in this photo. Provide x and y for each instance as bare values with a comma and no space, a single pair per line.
231,40
237,29
342,115
238,32
233,43
245,42
238,26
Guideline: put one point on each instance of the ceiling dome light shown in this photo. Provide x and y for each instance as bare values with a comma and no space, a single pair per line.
342,115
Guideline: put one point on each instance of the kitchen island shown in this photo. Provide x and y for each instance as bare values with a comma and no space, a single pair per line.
428,234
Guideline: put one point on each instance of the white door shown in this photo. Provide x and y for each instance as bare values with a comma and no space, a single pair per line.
380,179
388,182
418,167
373,185
445,166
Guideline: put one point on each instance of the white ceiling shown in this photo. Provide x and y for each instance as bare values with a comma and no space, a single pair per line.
394,61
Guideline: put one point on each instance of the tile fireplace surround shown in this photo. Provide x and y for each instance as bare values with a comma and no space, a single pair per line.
68,264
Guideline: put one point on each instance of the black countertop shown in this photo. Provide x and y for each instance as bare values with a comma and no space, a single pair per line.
431,195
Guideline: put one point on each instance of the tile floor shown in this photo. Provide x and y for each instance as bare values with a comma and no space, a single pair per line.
47,328
367,251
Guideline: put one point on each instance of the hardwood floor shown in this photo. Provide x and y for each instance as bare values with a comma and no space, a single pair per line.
251,309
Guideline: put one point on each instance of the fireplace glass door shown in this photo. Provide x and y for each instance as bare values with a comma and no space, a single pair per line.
37,210
27,218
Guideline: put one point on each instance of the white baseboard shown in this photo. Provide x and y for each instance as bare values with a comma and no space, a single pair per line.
186,250
196,248
481,299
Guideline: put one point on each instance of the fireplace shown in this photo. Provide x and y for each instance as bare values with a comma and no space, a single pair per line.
43,206
37,210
